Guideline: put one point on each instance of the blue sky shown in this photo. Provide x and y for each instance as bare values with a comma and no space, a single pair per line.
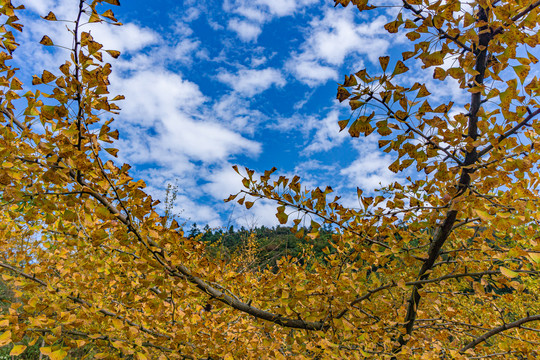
210,84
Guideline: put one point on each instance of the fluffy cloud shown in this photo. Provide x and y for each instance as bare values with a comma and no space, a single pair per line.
39,6
370,170
171,107
246,30
255,13
332,39
282,7
172,134
327,135
250,82
223,182
183,51
236,114
309,71
126,38
269,8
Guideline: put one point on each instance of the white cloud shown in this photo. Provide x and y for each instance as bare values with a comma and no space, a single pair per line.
327,135
251,81
258,12
322,131
300,104
370,170
247,31
223,182
333,38
126,38
183,50
307,70
257,61
168,124
272,8
281,7
194,211
171,106
262,213
236,114
206,141
154,94
42,7
253,14
191,14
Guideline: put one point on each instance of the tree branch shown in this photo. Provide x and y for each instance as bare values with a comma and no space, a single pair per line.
471,157
418,283
510,132
441,32
182,271
518,16
499,329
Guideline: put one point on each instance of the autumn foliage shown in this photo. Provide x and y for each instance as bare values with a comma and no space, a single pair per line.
442,265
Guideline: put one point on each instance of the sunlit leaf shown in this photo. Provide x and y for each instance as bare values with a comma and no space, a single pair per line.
342,94
50,16
47,77
46,41
508,273
343,124
383,60
522,71
112,151
400,68
535,257
17,350
115,54
5,338
109,15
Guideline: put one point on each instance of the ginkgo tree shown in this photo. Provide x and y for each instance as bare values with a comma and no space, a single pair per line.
442,265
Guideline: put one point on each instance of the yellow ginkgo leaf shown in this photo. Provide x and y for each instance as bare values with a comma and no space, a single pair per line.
17,350
45,40
5,338
535,257
400,68
508,273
